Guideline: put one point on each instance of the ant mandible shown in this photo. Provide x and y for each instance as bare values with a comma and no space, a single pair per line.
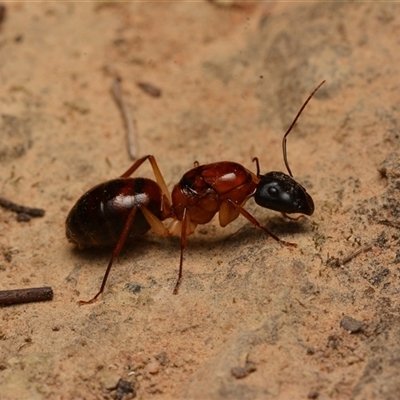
114,212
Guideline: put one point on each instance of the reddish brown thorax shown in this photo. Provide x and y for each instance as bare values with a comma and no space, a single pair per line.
203,189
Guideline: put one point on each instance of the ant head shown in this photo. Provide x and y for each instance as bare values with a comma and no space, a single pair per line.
280,192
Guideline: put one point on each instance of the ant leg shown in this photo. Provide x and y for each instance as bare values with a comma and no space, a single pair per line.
135,166
155,223
250,218
184,223
117,249
292,218
159,178
158,175
156,171
227,213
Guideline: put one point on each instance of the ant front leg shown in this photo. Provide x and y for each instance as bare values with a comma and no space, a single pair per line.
250,218
293,218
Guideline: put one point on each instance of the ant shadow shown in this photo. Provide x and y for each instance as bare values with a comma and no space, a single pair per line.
207,238
278,225
135,247
138,247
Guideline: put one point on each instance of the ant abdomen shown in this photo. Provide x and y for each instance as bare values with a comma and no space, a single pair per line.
99,216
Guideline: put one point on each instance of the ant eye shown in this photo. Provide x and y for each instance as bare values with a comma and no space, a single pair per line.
273,192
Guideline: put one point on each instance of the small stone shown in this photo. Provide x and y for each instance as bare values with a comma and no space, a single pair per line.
239,372
351,325
153,367
314,394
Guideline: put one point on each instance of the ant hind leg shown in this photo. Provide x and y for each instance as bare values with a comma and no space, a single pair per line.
115,253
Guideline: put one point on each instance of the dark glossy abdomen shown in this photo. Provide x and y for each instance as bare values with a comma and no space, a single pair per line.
98,217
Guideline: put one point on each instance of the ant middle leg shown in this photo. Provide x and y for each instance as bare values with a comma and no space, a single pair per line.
183,228
184,222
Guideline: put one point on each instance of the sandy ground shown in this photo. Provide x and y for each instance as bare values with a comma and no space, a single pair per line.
253,319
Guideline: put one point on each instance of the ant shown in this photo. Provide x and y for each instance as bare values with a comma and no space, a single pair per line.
114,212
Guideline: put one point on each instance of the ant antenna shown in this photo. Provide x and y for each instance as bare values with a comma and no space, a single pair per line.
292,125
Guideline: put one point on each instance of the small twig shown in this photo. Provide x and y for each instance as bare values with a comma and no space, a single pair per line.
130,123
345,260
30,295
149,89
389,223
338,262
33,212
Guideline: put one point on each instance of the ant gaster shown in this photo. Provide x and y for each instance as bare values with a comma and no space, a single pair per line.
114,212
